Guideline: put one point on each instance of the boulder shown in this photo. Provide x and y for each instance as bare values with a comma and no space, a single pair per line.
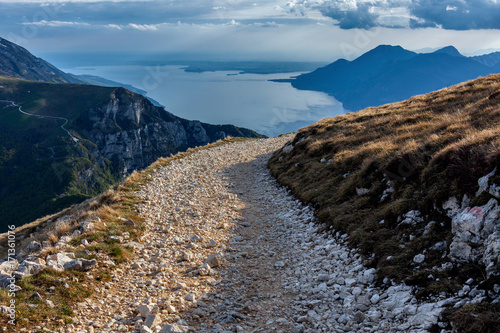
28,268
63,241
117,239
451,207
468,224
34,246
152,320
58,260
204,269
6,280
81,264
144,310
134,245
483,182
186,256
460,251
495,191
89,225
8,266
477,228
413,217
65,220
362,191
419,258
128,222
491,256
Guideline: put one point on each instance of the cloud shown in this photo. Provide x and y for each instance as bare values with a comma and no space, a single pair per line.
366,14
144,27
113,26
271,24
458,14
44,23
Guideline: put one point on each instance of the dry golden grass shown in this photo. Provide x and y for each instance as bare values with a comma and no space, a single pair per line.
431,146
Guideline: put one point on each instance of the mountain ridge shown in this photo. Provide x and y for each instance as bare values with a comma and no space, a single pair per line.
63,140
18,62
388,74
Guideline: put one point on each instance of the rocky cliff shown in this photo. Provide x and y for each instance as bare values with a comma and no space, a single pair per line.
130,131
63,143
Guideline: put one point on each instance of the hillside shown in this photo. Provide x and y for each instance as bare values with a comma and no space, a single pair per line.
47,164
17,62
415,185
204,241
407,195
389,74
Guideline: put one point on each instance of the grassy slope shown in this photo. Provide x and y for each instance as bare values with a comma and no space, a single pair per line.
431,147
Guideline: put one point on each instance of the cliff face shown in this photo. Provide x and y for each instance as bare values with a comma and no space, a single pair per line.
130,131
83,139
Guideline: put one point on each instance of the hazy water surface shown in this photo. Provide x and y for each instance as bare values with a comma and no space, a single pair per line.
247,100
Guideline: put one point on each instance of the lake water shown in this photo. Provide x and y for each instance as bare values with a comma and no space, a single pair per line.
225,97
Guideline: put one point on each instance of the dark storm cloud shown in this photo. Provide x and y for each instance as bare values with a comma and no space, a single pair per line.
349,19
365,14
458,15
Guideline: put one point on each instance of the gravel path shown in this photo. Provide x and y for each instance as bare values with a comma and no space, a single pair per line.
229,250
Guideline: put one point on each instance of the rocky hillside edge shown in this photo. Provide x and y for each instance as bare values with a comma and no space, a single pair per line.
109,133
416,186
55,252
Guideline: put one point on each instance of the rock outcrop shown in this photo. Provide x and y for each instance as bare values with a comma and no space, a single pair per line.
476,230
130,131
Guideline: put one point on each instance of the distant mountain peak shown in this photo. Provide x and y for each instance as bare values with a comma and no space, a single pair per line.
388,74
450,50
386,49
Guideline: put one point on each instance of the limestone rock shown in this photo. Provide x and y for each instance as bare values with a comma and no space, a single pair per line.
204,269
34,246
28,268
58,260
174,328
81,264
213,261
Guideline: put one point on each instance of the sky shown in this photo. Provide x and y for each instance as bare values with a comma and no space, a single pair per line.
267,30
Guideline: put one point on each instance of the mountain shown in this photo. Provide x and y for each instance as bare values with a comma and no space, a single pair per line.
416,187
449,50
63,143
64,139
390,73
17,62
492,59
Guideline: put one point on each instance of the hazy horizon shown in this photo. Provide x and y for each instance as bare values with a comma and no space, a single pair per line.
224,30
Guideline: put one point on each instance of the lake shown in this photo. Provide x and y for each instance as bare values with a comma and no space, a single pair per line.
225,97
